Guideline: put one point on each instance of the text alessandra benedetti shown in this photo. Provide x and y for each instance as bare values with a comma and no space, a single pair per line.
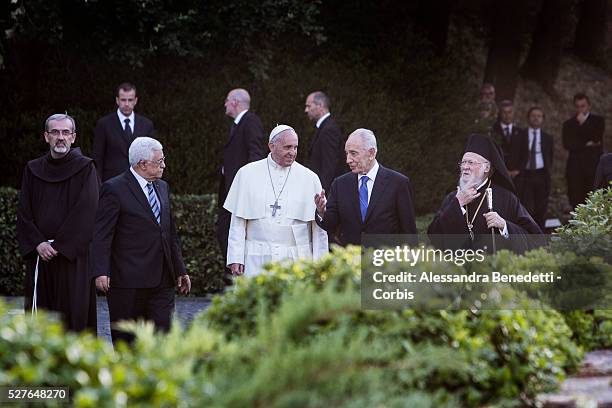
493,277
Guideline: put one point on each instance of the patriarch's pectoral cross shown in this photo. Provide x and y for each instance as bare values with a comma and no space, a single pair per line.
275,207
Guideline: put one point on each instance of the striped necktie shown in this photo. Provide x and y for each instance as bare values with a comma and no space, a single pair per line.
153,201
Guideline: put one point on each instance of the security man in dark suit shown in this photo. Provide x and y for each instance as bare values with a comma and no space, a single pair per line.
504,130
115,132
583,137
326,153
371,199
244,145
533,150
137,260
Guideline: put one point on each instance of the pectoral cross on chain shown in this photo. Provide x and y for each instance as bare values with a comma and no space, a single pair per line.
275,207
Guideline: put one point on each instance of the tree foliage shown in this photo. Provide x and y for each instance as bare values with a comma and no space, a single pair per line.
130,31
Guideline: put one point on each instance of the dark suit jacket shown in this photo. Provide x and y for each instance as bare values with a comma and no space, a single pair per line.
326,153
390,210
506,142
576,136
603,175
110,147
521,155
244,145
129,245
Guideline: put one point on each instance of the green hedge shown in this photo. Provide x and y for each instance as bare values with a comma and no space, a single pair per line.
195,221
195,217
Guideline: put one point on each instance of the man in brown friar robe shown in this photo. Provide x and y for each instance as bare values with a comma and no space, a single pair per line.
55,219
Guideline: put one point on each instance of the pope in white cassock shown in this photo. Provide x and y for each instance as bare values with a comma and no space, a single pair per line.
272,206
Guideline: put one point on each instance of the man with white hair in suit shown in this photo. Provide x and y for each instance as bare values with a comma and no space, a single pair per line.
272,207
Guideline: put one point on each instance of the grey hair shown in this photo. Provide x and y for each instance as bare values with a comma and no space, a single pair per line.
242,96
277,137
320,98
142,149
60,116
367,137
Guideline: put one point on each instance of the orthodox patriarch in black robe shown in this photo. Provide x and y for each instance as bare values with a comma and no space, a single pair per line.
452,225
58,201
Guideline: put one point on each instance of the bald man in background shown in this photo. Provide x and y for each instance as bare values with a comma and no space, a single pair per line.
244,145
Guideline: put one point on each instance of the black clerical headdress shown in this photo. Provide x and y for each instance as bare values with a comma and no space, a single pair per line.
486,147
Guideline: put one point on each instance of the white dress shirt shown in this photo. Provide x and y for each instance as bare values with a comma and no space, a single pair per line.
239,116
142,182
122,119
372,176
322,118
539,164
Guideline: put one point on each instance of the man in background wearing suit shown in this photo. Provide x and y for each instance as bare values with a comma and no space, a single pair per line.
505,131
244,145
115,132
137,260
326,154
534,159
372,199
583,138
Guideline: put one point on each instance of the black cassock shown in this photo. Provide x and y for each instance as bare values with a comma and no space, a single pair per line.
58,201
449,227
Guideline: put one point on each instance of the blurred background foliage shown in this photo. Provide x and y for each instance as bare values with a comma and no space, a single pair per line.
406,70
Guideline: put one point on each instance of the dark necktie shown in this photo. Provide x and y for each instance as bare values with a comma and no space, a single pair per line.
363,197
128,130
532,151
153,201
507,132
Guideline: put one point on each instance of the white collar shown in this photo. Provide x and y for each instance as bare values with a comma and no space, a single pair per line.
239,116
122,117
275,166
322,118
141,180
536,130
372,173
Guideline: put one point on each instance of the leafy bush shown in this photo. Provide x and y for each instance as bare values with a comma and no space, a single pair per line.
497,354
589,233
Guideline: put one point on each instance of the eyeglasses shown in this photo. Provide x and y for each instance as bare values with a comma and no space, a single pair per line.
63,132
469,163
159,162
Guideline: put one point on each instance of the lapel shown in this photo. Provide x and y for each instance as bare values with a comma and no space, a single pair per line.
380,184
162,196
234,129
121,134
139,195
354,194
314,139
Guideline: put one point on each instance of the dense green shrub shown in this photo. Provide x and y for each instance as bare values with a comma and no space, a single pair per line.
589,233
309,343
497,354
195,221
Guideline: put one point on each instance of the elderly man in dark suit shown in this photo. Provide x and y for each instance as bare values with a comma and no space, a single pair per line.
326,154
137,260
533,159
244,145
371,199
115,131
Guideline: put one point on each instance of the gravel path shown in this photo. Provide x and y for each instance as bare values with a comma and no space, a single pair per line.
185,311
